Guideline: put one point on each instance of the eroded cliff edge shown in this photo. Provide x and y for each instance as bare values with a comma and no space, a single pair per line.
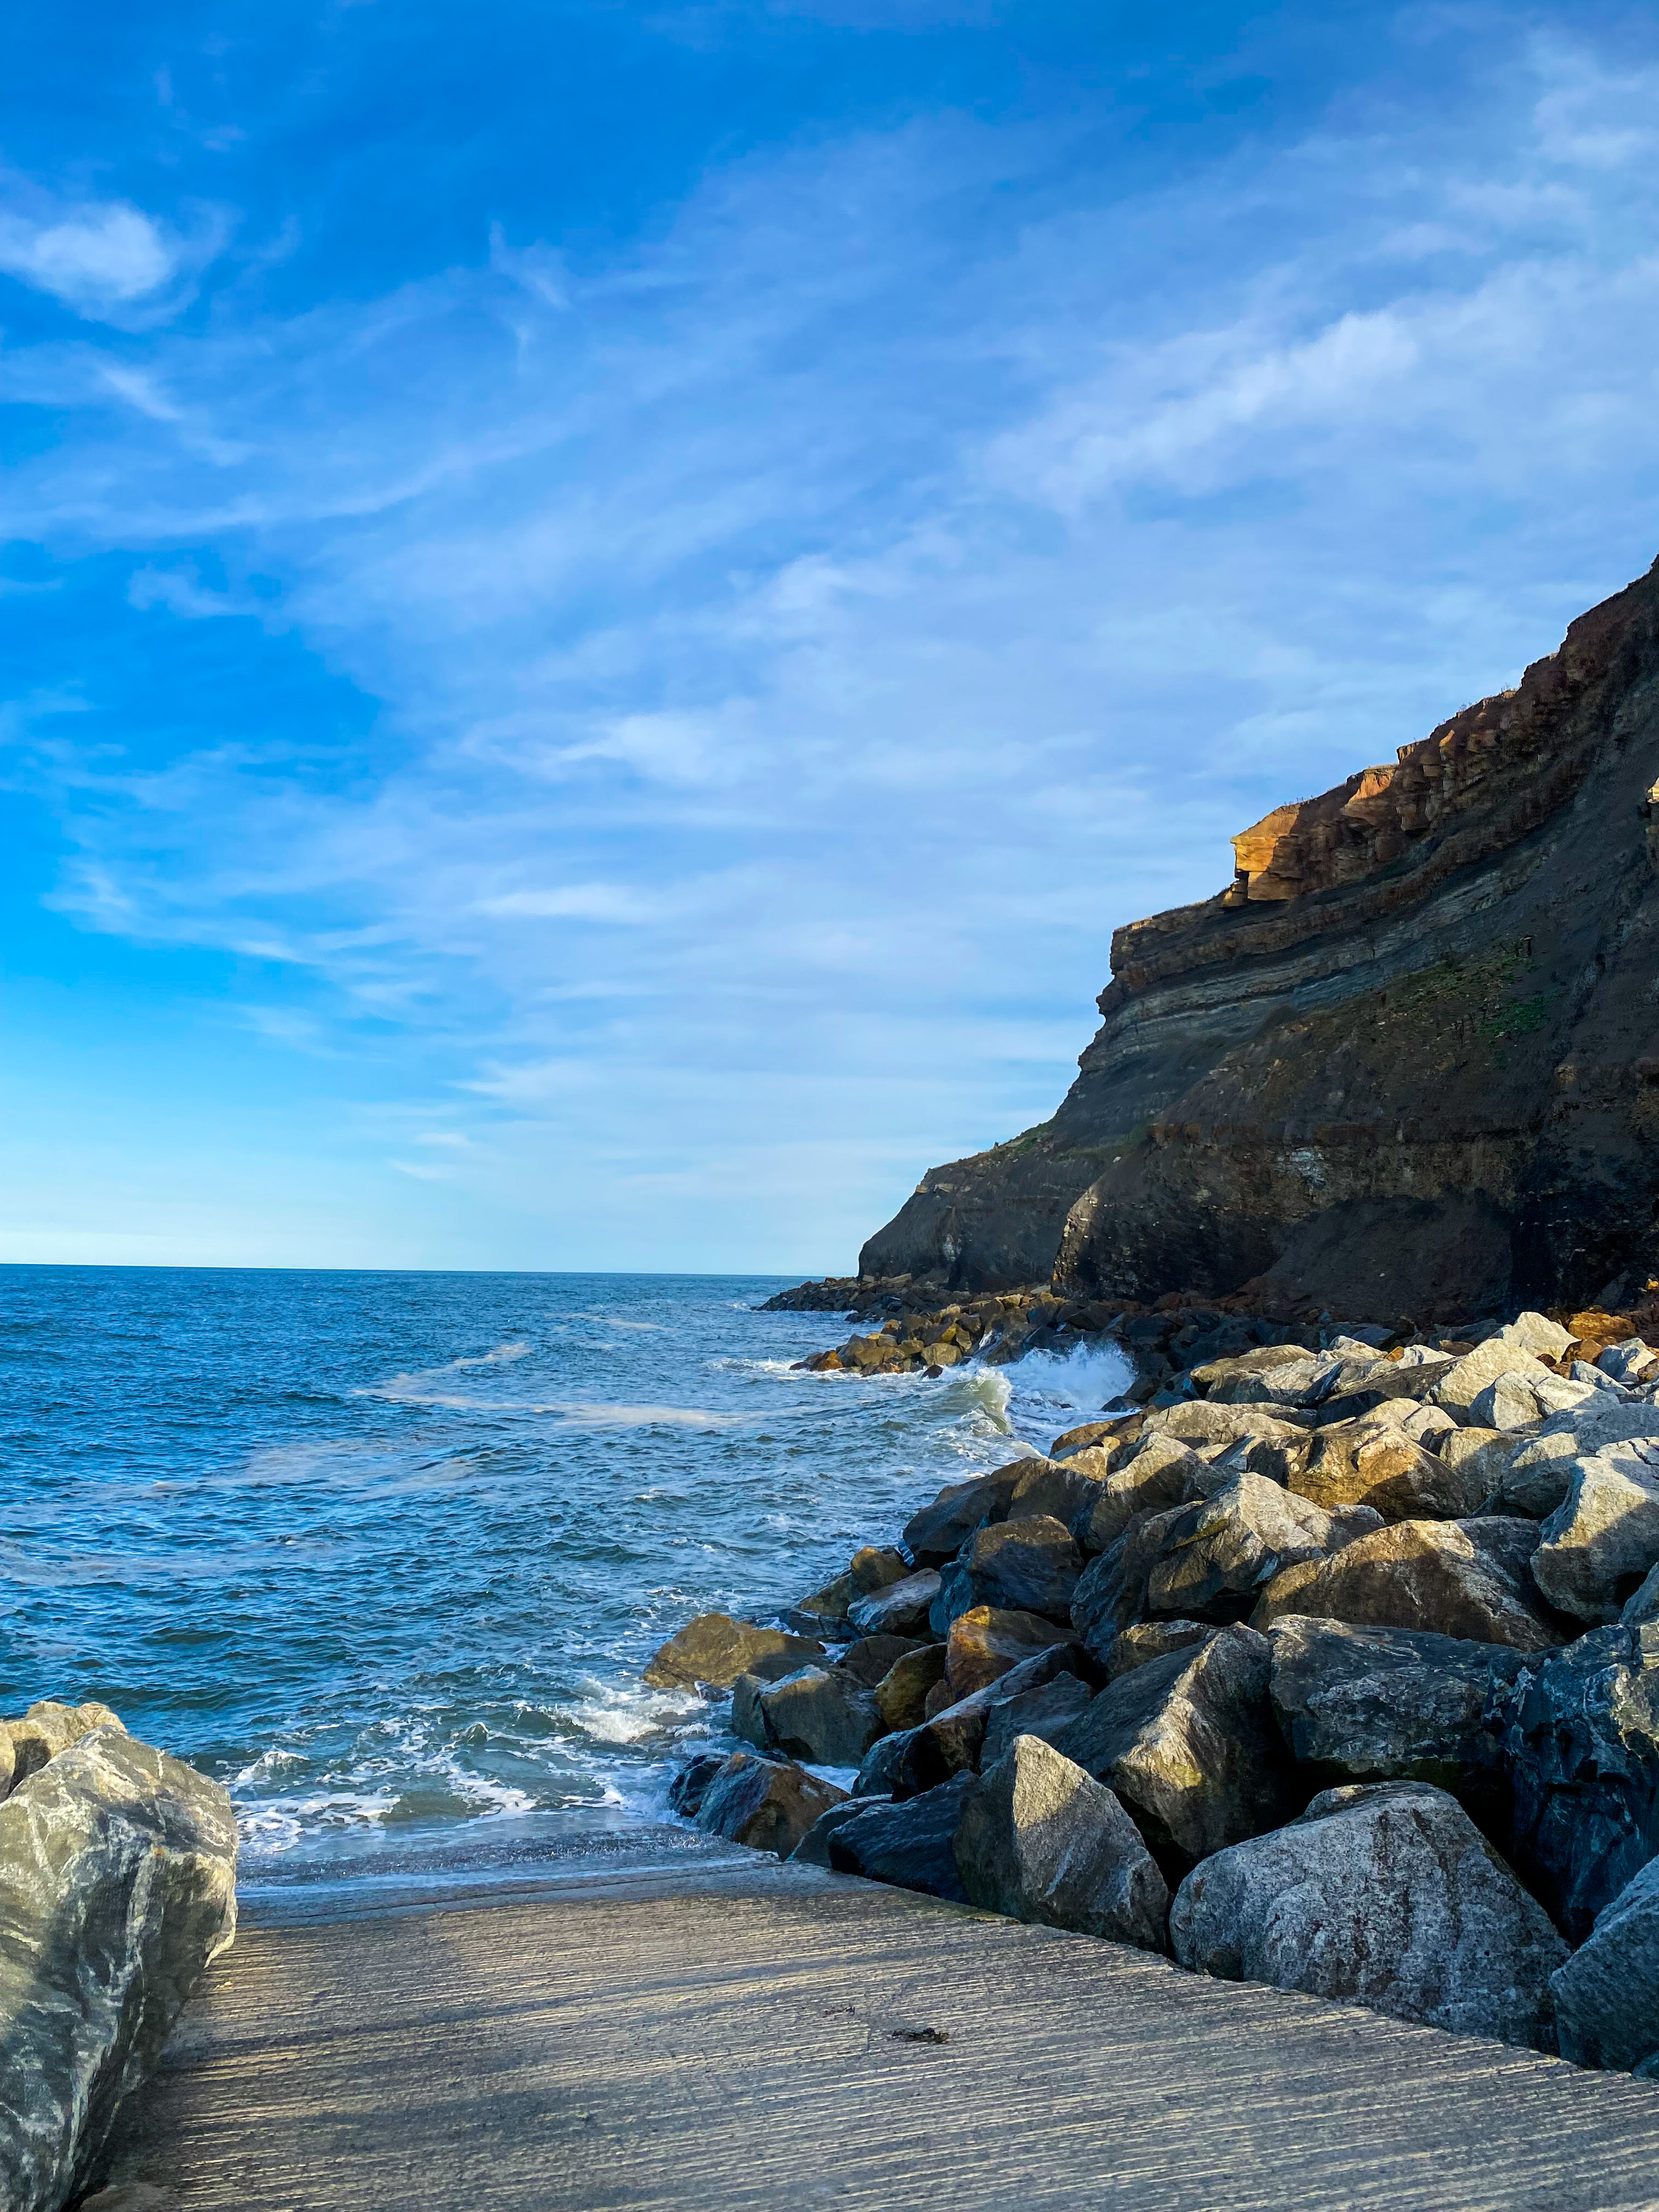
1408,1061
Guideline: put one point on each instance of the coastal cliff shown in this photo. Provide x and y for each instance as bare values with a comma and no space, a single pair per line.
1406,1062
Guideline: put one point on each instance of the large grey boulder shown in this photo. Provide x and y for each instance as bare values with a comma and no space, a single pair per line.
824,1715
1540,1472
1253,1440
1606,1994
1363,1462
1043,1712
939,1531
714,1649
1152,1639
117,1887
911,1845
1387,1896
1164,1473
1464,1380
1061,1490
1464,1578
1278,1375
900,1609
1373,1704
1581,1748
1029,1565
1601,1542
1217,1556
987,1642
1190,1745
767,1804
1041,1841
1111,1591
46,1729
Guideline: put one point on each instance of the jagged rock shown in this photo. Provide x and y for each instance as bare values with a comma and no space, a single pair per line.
1480,1458
813,1849
1111,1591
939,1531
1463,1382
1463,1578
900,1609
824,1715
714,1649
1601,1542
1058,1490
1387,1896
1537,1333
748,1721
1631,1362
1359,1463
902,1692
1581,1746
687,1790
1152,1639
768,1804
1041,1841
911,1845
986,1641
1373,1704
871,1659
1163,1472
1043,1712
1109,1436
1189,1743
1216,1557
870,1569
1539,1471
1279,1375
1606,1994
117,1869
46,1729
919,1758
1019,1566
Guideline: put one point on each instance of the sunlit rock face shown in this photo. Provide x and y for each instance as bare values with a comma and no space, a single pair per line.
1408,1063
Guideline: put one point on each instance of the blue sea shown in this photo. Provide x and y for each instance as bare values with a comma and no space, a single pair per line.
386,1553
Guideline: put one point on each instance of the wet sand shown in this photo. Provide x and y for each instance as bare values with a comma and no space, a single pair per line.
677,2024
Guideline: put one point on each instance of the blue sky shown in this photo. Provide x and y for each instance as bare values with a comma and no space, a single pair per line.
606,605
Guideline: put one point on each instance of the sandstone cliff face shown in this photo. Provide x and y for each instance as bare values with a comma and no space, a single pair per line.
1408,1062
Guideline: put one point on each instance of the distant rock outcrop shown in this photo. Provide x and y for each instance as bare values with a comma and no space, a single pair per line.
1408,1063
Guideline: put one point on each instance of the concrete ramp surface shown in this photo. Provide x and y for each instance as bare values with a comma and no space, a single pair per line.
742,2034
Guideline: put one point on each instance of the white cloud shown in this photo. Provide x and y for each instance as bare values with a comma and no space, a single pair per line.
91,257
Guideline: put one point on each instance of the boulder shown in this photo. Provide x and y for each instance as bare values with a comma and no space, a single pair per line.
1522,1401
686,1792
1537,1333
914,1759
1041,1841
1043,1711
1110,1436
813,1849
1481,1458
1058,1490
1463,1381
986,1641
902,1692
822,1714
1163,1472
900,1609
869,1570
1630,1363
1601,1542
1020,1566
1364,1463
714,1649
117,1887
1606,1994
768,1804
1218,1554
1111,1591
939,1531
1189,1743
1386,1895
871,1659
1256,1440
1152,1639
1373,1704
1581,1748
46,1729
1278,1375
911,1845
1463,1578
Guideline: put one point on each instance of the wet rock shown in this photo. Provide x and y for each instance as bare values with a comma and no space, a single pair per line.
1110,1436
938,1531
1463,1381
1581,1746
902,1692
117,1888
1020,1566
813,1849
1600,1542
748,1720
1463,1578
1373,1704
900,1609
911,1845
987,1642
1152,1639
1387,1896
1041,1841
869,1570
768,1804
1356,1464
822,1715
1606,1994
1220,1552
686,1791
1043,1711
1189,1743
871,1659
714,1649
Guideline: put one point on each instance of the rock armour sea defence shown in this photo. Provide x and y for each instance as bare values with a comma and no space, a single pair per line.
1408,1063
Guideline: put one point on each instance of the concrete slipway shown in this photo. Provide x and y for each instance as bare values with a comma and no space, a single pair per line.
697,2026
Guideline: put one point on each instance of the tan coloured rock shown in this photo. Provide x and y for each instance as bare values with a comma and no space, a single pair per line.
1459,1387
714,1649
1361,1462
987,1642
1463,1578
767,1804
902,1694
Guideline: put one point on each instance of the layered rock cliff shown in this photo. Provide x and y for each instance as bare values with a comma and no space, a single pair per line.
1406,1062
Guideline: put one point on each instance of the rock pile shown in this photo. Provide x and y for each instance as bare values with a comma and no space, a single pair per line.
1331,1665
117,1887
